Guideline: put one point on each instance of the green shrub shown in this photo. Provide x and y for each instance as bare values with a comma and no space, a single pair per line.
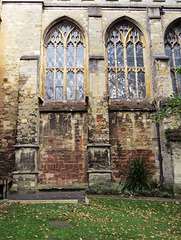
138,176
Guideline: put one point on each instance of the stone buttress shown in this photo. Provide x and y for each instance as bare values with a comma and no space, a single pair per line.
26,148
99,167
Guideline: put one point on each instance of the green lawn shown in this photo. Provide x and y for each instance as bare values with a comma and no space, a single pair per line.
101,219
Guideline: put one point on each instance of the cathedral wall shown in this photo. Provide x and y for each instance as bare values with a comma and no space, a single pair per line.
20,35
63,148
65,134
132,135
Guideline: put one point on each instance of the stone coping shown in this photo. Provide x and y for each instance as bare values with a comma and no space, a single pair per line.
161,57
107,4
99,171
98,145
24,172
134,105
63,107
25,146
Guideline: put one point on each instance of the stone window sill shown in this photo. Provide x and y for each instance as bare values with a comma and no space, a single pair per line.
63,107
141,105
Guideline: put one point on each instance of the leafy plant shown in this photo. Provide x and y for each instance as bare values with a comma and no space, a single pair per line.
172,108
138,176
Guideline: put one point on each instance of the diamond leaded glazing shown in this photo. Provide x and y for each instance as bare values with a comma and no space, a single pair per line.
65,63
126,72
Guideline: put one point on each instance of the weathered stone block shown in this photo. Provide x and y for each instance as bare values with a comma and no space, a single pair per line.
24,181
99,178
99,156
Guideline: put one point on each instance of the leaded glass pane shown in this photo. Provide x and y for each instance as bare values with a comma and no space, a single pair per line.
121,85
50,56
130,55
177,55
132,84
65,57
168,52
141,85
59,56
70,56
80,56
70,86
110,55
120,56
59,86
139,55
80,86
125,57
179,83
173,81
112,84
49,85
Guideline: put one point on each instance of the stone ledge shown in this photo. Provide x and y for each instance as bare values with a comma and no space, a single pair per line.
161,57
24,172
99,145
63,107
56,187
94,57
30,57
99,171
25,146
124,106
23,1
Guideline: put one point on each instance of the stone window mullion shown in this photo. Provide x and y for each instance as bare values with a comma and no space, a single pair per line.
136,69
65,72
116,68
75,71
55,71
126,70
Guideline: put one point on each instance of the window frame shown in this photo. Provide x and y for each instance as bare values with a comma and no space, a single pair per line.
65,70
172,60
126,69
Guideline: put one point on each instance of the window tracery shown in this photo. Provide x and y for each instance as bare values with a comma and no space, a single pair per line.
65,63
125,63
173,51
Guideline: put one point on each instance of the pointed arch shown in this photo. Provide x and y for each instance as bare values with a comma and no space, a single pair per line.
172,41
64,44
125,60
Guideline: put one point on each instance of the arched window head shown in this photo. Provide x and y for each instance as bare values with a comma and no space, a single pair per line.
125,62
173,51
65,63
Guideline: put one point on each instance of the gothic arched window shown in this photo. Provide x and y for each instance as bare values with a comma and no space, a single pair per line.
125,62
173,51
65,62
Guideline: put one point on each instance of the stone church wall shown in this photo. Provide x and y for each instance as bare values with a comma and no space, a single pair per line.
63,148
72,143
